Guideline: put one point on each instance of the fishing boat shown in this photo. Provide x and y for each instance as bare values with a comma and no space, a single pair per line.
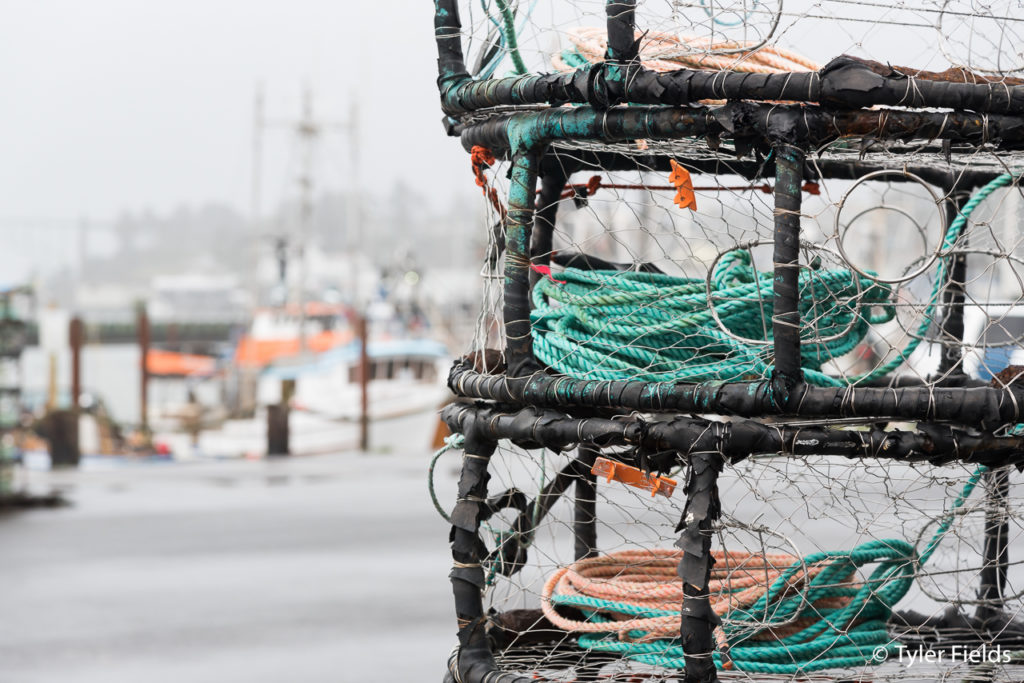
315,355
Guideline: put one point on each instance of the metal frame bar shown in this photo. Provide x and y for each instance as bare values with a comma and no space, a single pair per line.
845,82
698,621
532,427
584,510
521,202
789,163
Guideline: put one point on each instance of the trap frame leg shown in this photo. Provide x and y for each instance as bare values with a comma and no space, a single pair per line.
996,553
473,658
551,185
698,621
584,514
521,203
952,334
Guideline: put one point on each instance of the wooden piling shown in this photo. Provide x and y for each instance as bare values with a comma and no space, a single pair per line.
364,384
143,332
76,338
61,430
277,430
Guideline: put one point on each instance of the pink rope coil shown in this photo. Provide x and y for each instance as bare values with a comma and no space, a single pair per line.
647,579
661,51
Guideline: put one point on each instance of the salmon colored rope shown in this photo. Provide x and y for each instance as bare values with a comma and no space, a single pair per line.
647,581
667,52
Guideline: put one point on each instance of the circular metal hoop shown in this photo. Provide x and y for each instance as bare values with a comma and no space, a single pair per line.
948,53
728,24
730,526
839,238
919,570
776,17
808,246
911,330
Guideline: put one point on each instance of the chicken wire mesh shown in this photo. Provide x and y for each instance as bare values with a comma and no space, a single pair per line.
728,247
504,37
642,290
845,535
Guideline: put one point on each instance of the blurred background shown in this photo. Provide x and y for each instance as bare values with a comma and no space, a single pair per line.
228,303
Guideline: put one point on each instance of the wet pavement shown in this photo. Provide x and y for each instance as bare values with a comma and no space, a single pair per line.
315,568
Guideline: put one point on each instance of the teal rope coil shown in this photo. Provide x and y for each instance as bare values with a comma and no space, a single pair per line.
655,327
509,33
627,325
849,636
451,443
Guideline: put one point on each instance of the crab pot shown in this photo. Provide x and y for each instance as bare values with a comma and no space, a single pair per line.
745,397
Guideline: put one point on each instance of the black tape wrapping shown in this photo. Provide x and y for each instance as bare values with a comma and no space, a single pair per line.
492,133
752,123
844,83
986,408
698,620
467,576
663,440
541,246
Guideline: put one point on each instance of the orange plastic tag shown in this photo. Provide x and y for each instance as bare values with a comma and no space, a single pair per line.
680,178
633,476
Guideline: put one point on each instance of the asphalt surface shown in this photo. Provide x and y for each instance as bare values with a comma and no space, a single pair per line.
316,568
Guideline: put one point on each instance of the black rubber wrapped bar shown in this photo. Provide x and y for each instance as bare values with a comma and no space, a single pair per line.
569,160
531,427
584,509
845,82
551,186
698,620
521,201
789,163
989,408
451,69
475,659
755,123
996,554
621,56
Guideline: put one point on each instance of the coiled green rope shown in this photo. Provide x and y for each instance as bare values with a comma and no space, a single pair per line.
849,636
655,327
627,325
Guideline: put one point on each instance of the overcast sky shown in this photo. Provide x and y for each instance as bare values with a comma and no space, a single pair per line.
113,105
126,105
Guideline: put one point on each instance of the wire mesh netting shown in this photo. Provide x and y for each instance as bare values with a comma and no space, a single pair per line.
645,290
882,554
759,267
509,36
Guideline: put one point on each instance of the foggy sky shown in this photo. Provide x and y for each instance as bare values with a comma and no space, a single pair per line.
131,105
114,105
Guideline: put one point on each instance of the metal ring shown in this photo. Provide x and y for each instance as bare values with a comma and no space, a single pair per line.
776,17
708,10
895,209
920,571
957,59
763,342
729,528
839,239
909,328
